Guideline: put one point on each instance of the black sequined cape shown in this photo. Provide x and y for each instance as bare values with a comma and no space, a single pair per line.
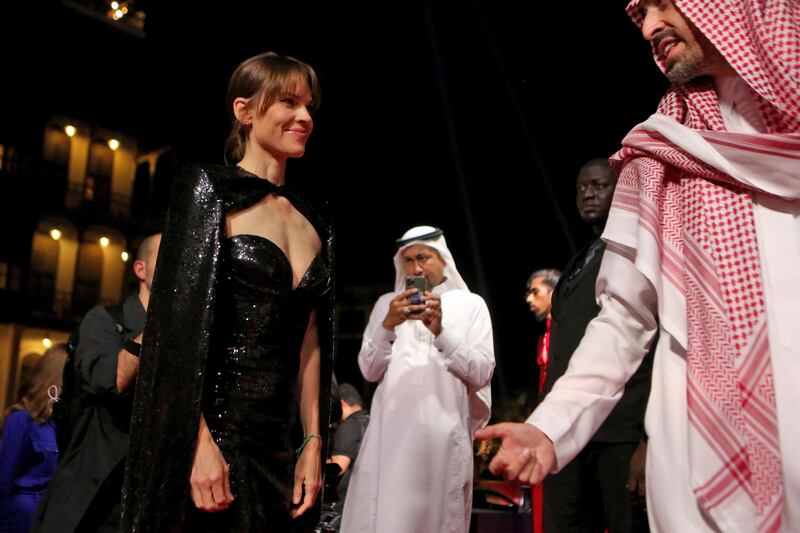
176,340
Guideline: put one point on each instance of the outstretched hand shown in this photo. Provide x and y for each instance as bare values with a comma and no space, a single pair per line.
526,454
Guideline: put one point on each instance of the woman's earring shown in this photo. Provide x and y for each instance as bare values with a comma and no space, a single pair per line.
52,392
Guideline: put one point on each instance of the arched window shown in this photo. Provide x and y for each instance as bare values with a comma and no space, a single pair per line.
97,187
43,270
88,276
56,147
55,156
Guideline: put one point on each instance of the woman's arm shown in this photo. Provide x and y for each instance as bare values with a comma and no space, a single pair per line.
308,470
210,479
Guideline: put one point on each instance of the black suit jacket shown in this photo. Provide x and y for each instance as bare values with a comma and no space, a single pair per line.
573,307
100,437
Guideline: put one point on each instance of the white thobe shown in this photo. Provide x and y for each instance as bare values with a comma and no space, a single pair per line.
414,470
583,397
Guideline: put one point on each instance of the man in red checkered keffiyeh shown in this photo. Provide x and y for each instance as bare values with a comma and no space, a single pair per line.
703,244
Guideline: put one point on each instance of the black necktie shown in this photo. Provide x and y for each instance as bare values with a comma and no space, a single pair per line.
587,257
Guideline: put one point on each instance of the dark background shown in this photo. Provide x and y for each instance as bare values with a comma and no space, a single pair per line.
454,114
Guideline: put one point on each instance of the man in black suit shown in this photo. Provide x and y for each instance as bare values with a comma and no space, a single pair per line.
589,494
86,491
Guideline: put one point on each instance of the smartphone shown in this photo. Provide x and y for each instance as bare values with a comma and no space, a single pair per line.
415,282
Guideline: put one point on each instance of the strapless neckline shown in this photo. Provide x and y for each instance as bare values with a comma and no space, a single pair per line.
281,254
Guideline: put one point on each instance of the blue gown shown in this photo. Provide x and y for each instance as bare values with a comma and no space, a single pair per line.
28,456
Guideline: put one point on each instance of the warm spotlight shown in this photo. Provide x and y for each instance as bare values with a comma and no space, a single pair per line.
55,234
113,144
47,342
70,130
104,242
125,256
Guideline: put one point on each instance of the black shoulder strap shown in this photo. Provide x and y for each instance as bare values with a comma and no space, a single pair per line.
117,314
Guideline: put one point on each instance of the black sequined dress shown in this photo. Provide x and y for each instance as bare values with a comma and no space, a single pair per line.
251,321
250,393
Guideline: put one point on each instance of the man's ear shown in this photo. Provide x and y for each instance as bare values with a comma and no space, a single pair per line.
242,111
140,269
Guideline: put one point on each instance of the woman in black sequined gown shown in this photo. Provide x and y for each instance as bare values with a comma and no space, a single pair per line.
231,398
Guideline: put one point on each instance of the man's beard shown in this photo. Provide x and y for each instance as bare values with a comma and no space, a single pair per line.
684,69
540,317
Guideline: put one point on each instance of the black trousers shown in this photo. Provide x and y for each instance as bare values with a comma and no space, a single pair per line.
103,515
589,494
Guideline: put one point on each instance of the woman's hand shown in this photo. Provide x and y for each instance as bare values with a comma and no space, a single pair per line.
307,477
210,479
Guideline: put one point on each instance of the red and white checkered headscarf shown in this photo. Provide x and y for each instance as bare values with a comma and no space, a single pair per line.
703,222
760,39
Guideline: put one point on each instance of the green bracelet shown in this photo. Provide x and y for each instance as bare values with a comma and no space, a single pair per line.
299,450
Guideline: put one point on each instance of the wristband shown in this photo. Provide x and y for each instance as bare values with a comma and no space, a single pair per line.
299,450
133,347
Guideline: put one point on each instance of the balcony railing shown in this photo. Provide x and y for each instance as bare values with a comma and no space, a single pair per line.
74,195
119,205
56,307
61,306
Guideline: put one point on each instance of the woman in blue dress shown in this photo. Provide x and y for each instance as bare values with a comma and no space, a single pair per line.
28,450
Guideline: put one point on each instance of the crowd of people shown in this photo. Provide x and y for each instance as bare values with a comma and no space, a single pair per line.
202,403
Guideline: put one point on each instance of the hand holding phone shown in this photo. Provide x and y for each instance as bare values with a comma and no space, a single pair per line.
416,282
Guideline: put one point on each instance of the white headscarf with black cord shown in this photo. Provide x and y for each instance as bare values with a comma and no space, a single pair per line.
432,238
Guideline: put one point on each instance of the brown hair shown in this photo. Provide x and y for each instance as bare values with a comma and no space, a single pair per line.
33,394
264,78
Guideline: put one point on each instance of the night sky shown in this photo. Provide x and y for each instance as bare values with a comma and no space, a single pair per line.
418,97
